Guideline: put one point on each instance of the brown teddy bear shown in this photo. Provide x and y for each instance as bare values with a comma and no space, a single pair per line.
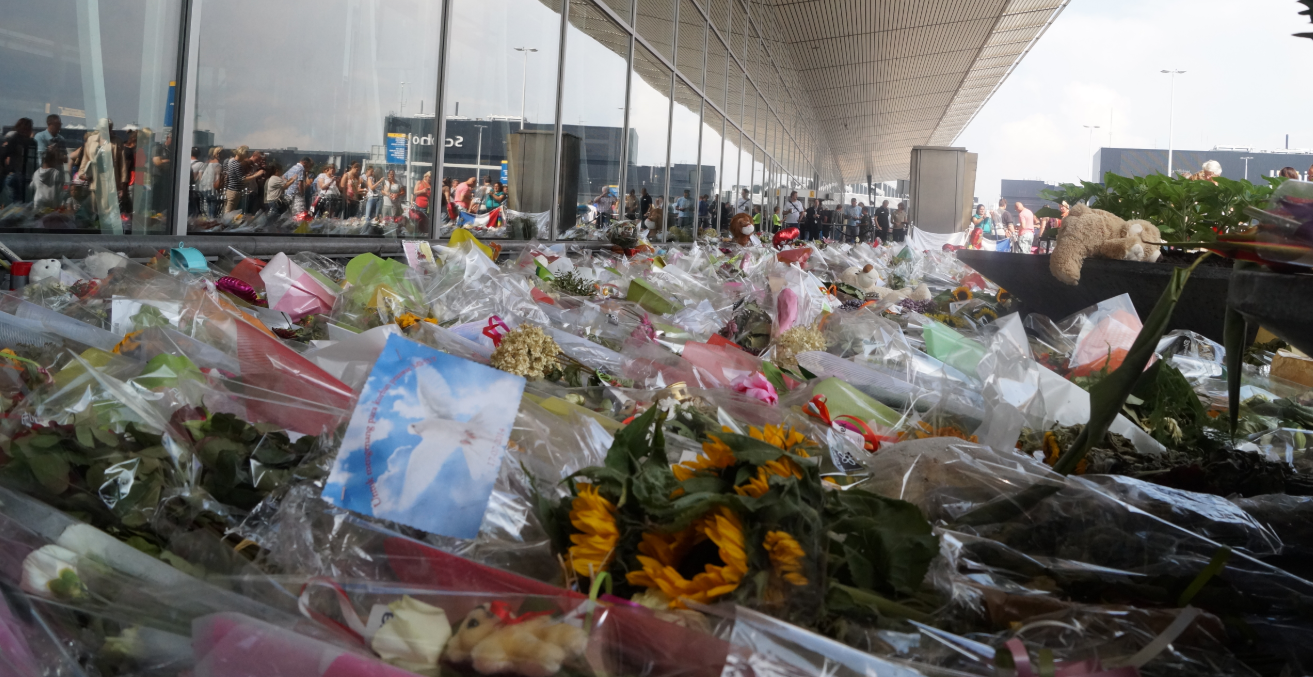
1090,232
496,641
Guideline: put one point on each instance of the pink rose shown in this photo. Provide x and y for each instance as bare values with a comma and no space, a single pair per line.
756,385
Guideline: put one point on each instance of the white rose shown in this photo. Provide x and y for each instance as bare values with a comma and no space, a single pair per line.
51,571
414,637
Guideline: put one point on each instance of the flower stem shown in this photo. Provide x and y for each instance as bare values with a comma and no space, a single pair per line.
885,606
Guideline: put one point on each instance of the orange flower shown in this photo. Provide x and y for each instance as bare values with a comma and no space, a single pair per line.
594,546
662,555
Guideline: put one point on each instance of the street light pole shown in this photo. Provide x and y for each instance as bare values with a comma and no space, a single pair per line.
524,80
1247,159
478,155
1089,148
1171,115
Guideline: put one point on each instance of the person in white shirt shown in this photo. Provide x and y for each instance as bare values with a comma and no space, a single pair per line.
684,210
604,203
793,208
744,205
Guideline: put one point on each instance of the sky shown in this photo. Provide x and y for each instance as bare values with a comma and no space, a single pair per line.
1099,65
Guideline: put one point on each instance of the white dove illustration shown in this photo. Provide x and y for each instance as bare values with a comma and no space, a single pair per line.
441,435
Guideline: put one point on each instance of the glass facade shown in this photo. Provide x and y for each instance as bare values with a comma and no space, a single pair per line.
520,119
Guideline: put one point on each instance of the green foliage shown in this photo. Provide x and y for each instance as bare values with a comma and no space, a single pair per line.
1183,209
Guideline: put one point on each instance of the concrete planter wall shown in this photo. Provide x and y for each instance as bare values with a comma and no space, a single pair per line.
1202,307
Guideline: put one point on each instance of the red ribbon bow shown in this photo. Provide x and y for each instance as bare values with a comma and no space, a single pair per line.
503,612
816,409
496,330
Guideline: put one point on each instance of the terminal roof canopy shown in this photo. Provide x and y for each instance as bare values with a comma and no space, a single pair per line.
885,75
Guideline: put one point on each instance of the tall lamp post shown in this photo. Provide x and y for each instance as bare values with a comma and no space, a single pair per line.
1089,148
1247,159
1171,115
524,80
478,156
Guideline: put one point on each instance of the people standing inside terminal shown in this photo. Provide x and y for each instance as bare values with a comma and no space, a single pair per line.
328,198
793,209
481,194
605,206
275,196
50,136
394,194
631,205
234,179
464,193
744,205
882,220
48,181
17,153
684,210
296,183
369,183
704,213
352,194
644,203
210,183
899,221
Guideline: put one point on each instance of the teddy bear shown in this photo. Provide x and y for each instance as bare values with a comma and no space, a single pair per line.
1090,232
44,269
496,641
865,279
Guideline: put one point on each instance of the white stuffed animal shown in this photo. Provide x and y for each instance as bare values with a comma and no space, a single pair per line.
44,269
98,265
865,279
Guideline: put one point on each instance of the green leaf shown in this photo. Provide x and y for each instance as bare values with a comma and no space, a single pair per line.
775,376
51,471
85,437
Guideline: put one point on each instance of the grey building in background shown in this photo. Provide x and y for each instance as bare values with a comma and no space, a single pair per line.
1145,161
1026,192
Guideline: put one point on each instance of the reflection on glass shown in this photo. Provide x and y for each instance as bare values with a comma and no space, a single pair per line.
711,152
314,136
689,204
716,59
500,110
649,120
692,48
592,119
86,114
656,23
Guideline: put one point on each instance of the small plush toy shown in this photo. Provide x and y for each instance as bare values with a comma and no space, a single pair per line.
44,269
865,279
1090,232
99,264
496,641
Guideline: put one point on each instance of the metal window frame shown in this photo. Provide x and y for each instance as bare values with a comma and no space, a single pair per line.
184,119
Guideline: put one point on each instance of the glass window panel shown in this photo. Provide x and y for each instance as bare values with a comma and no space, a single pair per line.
763,115
739,21
592,111
91,116
623,8
719,10
649,126
734,94
712,150
500,108
716,60
362,100
692,46
656,23
759,173
745,170
685,122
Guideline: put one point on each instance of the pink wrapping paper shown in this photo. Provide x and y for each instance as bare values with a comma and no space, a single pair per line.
233,645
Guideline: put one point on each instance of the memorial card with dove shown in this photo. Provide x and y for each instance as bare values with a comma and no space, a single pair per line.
425,440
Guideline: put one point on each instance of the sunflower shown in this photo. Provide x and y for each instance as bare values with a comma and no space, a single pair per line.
1004,296
1053,451
594,516
924,430
962,293
662,555
783,437
985,314
759,485
129,343
785,557
715,455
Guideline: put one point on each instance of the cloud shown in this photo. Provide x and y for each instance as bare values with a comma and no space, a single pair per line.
1099,65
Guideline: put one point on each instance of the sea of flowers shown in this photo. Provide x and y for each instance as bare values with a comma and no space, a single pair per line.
725,461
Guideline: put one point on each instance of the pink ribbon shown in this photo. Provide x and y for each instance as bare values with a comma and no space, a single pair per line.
496,330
